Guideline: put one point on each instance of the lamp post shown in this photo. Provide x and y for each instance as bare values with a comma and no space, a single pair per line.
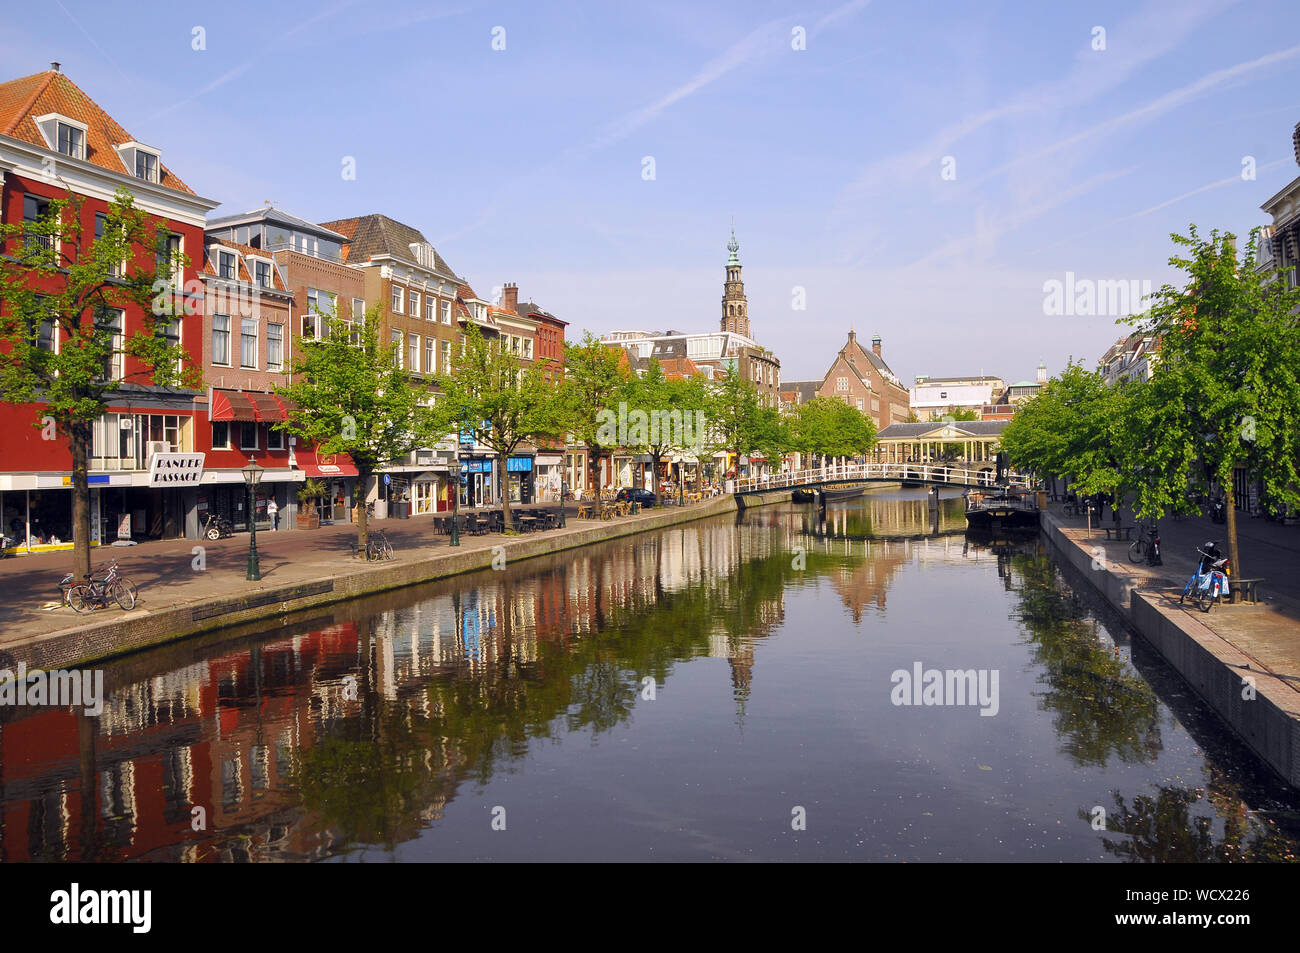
252,477
564,488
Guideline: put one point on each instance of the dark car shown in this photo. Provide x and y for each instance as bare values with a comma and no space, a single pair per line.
644,497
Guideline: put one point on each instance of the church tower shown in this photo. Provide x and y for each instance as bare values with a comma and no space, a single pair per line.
735,309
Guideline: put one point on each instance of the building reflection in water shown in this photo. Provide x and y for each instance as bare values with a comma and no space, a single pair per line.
331,736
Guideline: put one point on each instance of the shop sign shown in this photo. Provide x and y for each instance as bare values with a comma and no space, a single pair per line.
175,469
519,464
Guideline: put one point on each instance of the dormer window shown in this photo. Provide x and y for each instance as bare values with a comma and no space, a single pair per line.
64,135
141,161
226,265
72,141
146,166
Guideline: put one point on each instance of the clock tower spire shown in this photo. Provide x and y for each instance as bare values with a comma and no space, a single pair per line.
735,309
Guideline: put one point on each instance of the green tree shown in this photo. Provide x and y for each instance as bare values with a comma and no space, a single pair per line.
675,418
353,396
828,427
1226,392
1077,426
57,283
490,394
594,376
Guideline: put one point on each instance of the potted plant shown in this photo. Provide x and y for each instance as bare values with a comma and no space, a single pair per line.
308,511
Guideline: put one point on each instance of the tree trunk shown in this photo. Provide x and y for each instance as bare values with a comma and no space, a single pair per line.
593,469
79,444
654,463
505,495
1230,511
363,524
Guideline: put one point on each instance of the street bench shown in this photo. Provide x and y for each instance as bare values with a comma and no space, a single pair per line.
1244,590
1119,532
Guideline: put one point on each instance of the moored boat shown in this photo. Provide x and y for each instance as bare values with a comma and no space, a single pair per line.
1002,509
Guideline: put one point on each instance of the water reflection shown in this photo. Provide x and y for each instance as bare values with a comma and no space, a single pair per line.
360,731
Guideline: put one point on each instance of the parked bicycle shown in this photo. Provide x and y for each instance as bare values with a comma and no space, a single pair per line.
1209,582
1146,546
217,527
377,546
98,590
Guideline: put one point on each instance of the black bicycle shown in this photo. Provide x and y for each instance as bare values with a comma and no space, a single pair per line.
98,590
377,546
1146,546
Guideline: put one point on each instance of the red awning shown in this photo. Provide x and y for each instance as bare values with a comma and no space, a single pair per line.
253,406
326,464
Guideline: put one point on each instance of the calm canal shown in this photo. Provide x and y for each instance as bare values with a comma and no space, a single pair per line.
693,694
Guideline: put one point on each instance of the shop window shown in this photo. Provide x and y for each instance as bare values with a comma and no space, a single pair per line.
274,438
247,435
220,435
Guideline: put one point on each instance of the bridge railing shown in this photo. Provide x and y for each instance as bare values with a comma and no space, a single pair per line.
880,472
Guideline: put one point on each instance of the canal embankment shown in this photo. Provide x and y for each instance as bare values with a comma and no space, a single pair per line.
190,587
1243,660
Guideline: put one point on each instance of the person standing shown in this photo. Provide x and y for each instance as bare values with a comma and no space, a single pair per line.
272,510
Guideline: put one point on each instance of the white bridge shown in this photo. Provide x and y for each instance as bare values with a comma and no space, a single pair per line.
936,474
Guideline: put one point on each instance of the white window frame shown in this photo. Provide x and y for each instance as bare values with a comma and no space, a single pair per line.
398,299
226,362
413,351
221,446
274,365
430,355
413,304
244,427
430,308
244,324
117,359
398,338
446,312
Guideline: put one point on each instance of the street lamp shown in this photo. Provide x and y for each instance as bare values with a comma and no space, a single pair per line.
564,488
252,477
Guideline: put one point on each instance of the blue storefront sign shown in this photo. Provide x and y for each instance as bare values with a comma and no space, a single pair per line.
476,466
519,464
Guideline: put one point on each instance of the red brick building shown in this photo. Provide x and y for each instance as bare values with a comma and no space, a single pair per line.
55,139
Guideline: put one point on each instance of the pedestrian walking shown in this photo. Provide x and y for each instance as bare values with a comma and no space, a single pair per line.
272,510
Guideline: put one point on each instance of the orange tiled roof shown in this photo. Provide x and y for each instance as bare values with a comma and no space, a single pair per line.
242,271
21,100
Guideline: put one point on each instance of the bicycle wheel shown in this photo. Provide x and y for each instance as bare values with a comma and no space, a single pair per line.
388,550
122,595
81,598
131,587
1137,551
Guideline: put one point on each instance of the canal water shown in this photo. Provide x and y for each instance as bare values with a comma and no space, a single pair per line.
782,684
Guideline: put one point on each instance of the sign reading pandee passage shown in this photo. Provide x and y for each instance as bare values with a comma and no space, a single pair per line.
176,469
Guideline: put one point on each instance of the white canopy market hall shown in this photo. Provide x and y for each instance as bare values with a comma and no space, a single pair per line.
940,441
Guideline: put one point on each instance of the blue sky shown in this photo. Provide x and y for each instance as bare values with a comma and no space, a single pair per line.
526,164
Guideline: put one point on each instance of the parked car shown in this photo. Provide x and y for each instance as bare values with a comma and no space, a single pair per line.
644,497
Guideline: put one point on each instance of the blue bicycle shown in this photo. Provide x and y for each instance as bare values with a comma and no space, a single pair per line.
1209,582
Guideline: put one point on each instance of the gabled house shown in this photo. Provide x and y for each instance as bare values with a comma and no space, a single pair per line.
54,139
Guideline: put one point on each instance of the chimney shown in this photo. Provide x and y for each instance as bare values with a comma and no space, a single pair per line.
875,344
510,296
55,67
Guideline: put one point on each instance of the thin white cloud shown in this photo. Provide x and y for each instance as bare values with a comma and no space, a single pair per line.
1162,104
217,83
988,232
768,39
1160,27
